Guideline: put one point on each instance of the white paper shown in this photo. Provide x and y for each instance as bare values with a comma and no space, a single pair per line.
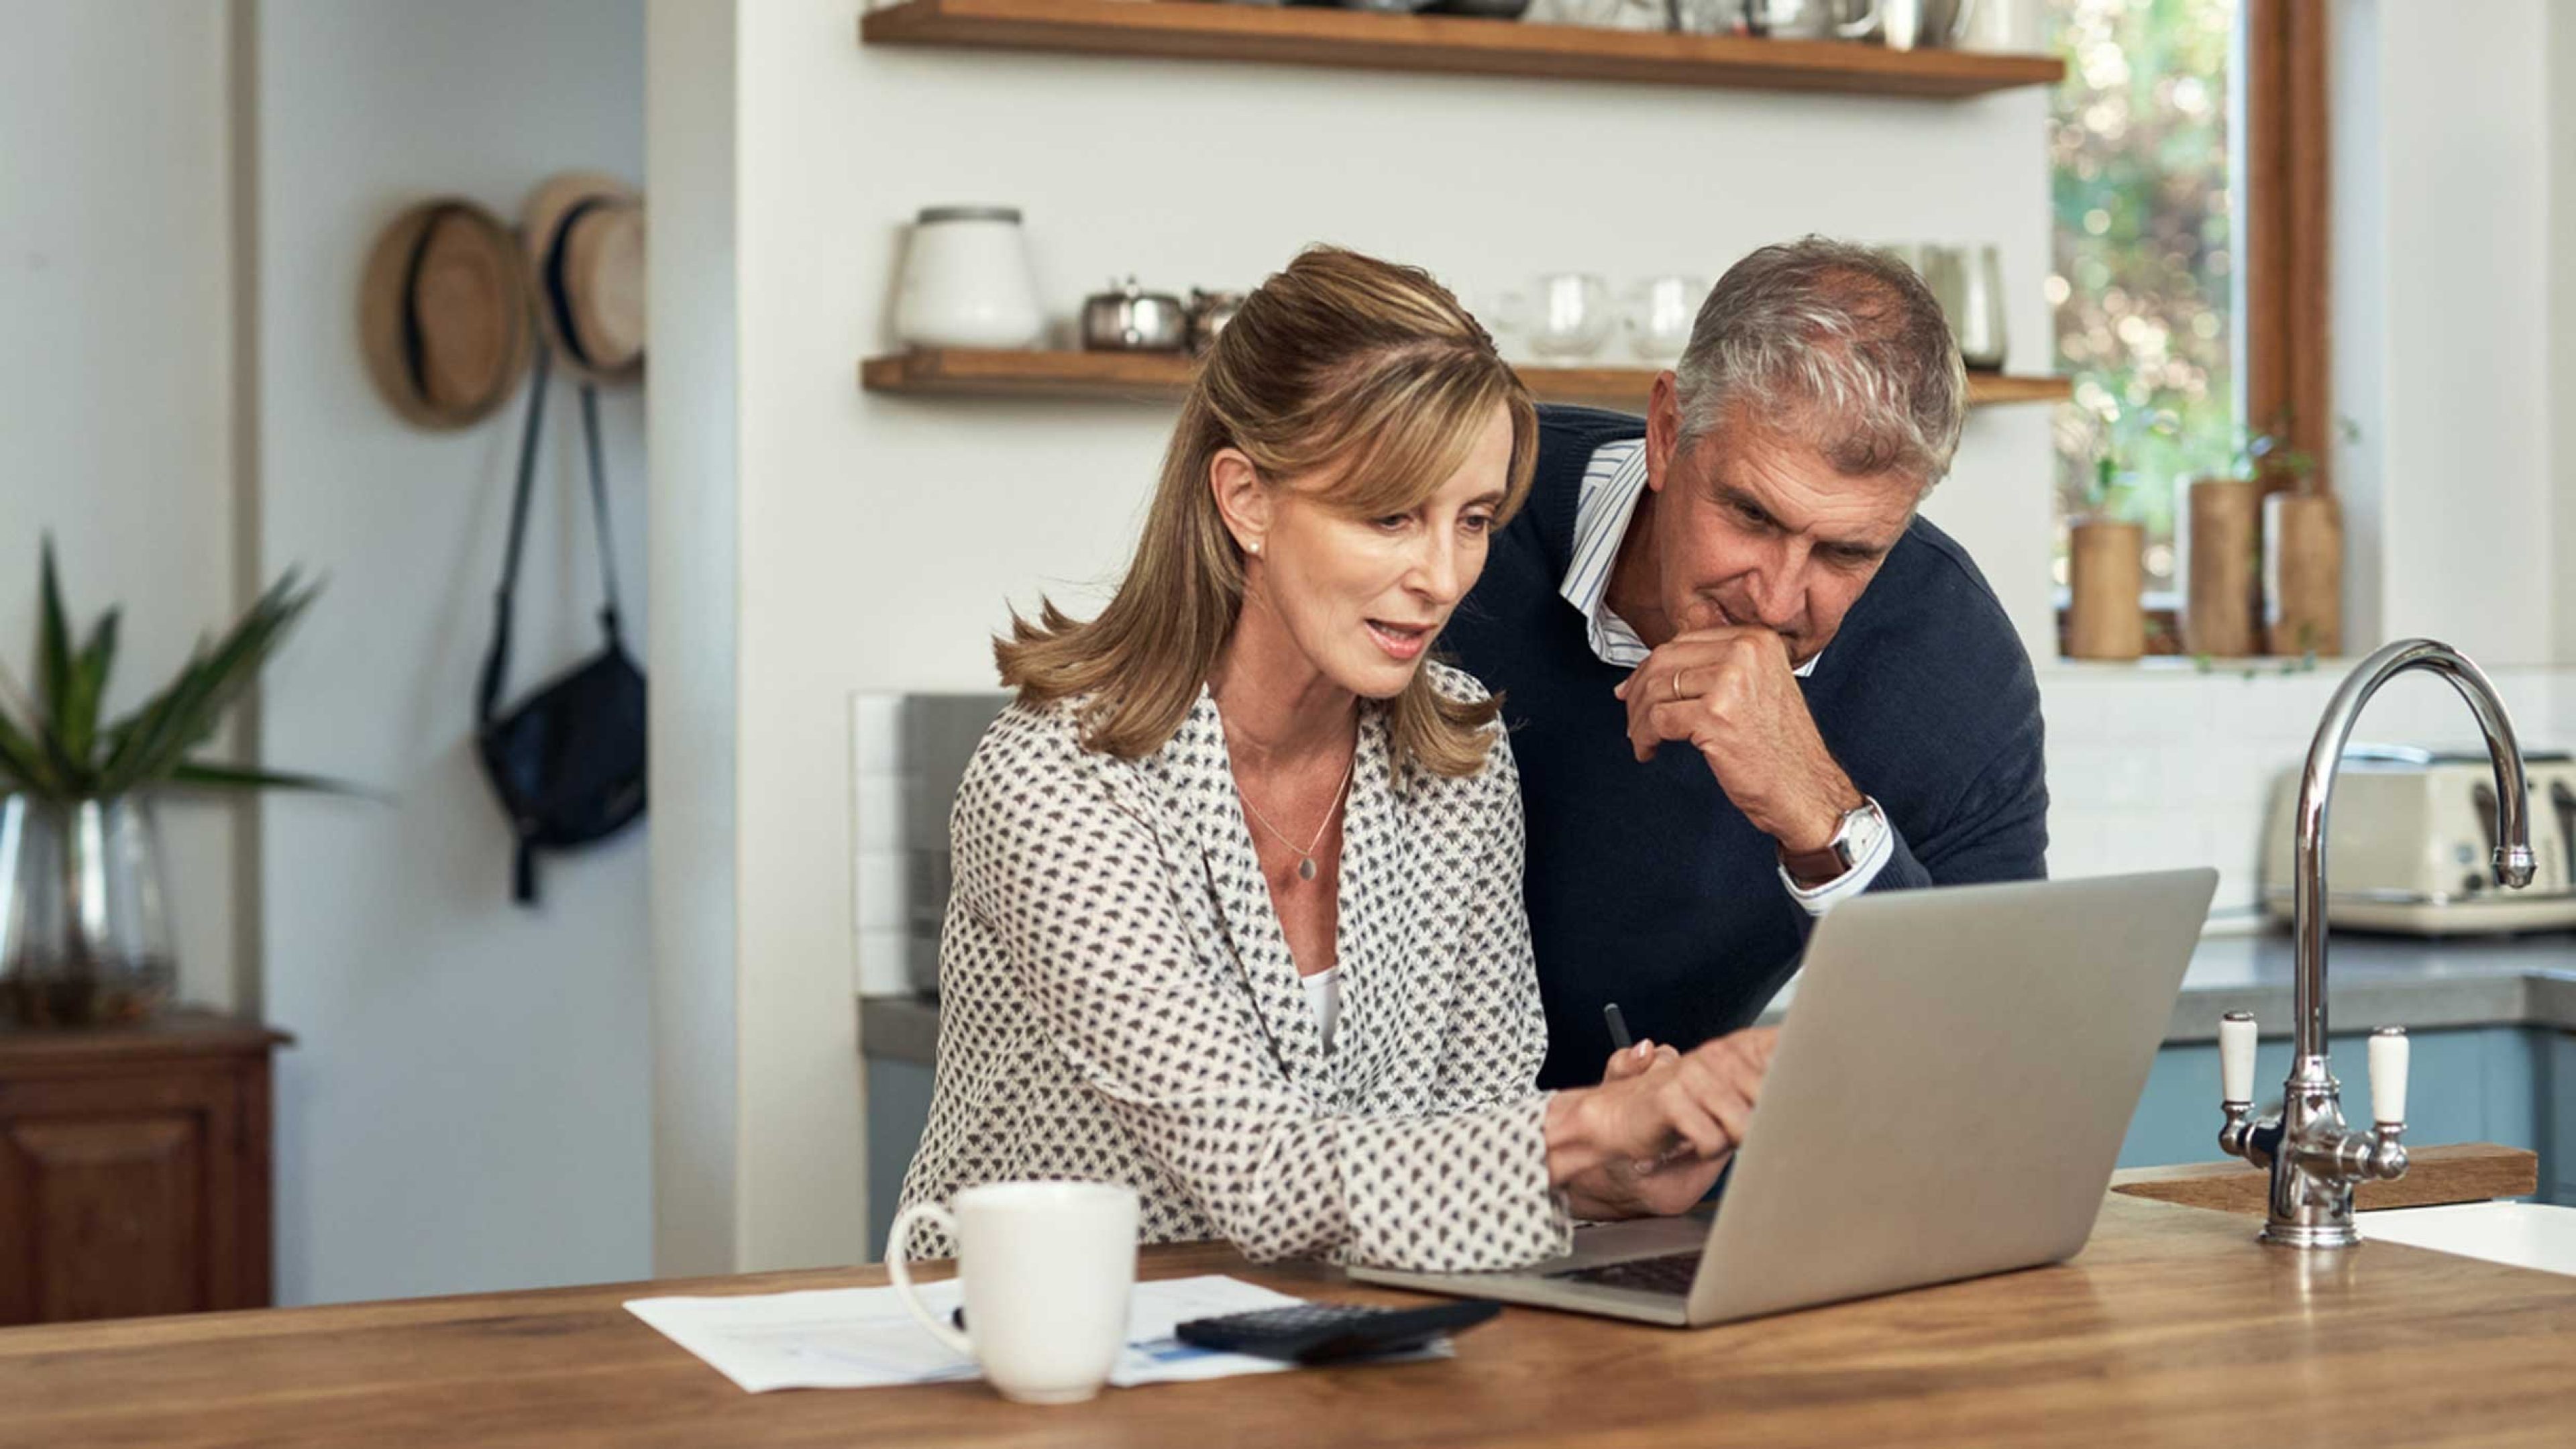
851,1338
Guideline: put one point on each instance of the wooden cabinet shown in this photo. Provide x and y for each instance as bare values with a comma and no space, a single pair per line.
134,1169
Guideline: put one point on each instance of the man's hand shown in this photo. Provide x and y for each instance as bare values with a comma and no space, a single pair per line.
1731,693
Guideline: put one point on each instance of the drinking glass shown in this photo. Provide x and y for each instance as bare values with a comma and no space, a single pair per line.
1658,316
1569,315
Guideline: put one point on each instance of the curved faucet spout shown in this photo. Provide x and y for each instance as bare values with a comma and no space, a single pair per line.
2513,858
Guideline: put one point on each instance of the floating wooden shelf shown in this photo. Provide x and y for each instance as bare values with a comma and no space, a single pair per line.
1365,40
1160,377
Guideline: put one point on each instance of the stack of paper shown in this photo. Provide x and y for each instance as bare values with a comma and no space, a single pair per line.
852,1338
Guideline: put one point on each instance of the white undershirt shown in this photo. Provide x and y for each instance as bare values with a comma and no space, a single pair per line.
1324,998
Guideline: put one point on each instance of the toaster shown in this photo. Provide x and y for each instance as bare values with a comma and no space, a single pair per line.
2410,844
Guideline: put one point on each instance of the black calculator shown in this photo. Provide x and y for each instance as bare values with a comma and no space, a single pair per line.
1322,1332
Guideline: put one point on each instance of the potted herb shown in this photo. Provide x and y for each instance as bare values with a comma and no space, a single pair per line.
2222,559
2106,615
84,925
2302,548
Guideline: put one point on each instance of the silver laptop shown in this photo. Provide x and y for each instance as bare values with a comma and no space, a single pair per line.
1952,1083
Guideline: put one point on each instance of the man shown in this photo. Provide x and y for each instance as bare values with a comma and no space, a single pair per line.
1746,682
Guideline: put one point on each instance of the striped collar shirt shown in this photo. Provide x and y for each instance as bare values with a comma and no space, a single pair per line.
1613,481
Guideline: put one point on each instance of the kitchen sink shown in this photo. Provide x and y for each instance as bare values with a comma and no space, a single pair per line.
2522,1234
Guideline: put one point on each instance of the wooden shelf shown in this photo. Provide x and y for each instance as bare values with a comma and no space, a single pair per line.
1160,377
1279,35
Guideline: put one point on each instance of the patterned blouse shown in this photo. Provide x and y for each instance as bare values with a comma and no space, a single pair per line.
1118,1004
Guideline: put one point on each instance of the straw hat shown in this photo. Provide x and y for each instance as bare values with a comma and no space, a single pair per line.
584,235
443,313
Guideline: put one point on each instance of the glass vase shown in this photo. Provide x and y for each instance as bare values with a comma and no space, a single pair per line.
84,931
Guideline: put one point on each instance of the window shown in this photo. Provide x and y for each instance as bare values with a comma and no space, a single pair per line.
2187,149
2145,267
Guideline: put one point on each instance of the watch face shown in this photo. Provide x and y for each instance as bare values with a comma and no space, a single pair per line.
1861,829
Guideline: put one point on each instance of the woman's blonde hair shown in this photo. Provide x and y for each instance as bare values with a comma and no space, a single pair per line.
1358,371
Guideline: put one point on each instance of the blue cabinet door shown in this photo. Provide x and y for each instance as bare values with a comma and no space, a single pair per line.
898,1108
2555,1109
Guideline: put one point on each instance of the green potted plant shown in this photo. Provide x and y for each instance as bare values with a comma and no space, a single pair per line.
2106,616
84,925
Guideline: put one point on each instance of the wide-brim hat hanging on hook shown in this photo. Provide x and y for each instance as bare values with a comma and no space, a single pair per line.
443,313
584,235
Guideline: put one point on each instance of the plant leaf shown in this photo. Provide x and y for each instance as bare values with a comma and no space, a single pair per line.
186,714
234,777
24,762
53,640
76,717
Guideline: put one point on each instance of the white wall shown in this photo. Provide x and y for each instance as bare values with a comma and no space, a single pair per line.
116,339
690,140
468,1103
2444,267
2561,288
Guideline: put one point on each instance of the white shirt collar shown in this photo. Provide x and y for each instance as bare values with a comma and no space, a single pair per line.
1613,480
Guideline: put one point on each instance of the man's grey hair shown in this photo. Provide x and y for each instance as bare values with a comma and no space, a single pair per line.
1833,344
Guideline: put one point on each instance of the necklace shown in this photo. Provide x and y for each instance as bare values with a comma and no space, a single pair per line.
1305,857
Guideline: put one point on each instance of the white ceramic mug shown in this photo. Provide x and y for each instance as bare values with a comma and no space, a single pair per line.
1046,1269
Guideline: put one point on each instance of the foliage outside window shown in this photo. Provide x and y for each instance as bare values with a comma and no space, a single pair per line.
2144,271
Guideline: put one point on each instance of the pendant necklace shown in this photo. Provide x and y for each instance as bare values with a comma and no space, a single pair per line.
1305,857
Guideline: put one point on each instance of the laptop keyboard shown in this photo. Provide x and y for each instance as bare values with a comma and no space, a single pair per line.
1671,1273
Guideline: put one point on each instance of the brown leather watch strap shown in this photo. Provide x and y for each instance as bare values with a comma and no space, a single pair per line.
1813,867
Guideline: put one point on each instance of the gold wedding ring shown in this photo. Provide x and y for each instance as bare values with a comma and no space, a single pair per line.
1674,682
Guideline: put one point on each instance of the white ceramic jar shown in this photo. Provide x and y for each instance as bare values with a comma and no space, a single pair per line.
966,281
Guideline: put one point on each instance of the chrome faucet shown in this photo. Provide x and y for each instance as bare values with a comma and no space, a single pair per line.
2315,1160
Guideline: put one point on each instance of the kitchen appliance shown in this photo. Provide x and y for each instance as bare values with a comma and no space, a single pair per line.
966,281
1709,17
1968,282
2411,836
1208,314
1811,19
1906,24
1127,318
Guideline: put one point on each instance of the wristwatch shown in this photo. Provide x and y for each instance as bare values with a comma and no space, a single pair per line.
1863,826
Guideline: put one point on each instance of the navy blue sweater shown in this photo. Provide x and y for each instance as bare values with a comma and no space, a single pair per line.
1645,885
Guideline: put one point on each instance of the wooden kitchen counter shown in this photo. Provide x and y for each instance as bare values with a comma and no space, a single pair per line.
2173,1327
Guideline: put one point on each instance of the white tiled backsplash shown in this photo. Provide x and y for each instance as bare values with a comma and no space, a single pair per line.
877,885
2147,767
2151,767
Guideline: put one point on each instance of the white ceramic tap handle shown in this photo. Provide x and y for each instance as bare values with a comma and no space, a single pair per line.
2236,1057
2388,1076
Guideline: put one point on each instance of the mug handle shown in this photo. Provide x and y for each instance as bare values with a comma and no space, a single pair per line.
1858,26
898,1250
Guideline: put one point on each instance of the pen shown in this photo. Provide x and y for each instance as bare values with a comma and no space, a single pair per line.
1619,1038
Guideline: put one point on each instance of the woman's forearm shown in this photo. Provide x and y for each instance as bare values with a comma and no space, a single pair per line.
1575,1143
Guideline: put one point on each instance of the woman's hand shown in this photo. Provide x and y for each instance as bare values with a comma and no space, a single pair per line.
1660,1127
1668,1185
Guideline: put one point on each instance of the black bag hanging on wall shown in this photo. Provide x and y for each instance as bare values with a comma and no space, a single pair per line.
567,761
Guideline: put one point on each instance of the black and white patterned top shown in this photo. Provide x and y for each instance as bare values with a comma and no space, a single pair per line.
1118,1004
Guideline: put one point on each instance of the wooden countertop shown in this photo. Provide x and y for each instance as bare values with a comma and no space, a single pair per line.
2173,1327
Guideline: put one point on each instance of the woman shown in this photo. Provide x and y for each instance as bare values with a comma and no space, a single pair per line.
1237,914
